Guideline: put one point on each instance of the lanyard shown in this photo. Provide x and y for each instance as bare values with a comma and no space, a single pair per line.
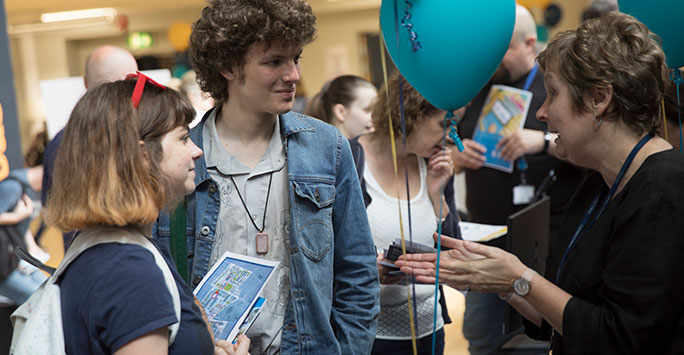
530,77
522,163
578,233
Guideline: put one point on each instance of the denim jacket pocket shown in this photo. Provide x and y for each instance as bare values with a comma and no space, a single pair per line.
313,202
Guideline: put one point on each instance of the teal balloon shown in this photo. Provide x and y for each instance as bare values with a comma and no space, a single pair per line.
462,43
664,18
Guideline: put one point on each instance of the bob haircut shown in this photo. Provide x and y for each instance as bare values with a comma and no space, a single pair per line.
416,108
341,90
222,36
612,50
103,175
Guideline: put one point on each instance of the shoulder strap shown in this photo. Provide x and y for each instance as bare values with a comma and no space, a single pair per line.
123,235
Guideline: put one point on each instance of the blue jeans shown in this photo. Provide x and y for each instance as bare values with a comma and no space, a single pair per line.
404,347
19,286
483,323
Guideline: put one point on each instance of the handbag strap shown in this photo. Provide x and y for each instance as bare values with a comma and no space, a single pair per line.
93,236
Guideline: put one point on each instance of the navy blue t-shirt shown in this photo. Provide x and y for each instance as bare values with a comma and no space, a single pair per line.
114,293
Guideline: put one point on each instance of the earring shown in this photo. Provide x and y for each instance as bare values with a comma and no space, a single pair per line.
597,120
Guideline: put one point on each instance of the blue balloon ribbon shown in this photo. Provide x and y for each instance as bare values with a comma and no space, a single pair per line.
453,132
676,76
406,22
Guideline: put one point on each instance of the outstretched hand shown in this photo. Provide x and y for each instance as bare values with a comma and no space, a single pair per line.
467,266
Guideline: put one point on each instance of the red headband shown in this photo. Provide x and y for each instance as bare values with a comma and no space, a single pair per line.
140,86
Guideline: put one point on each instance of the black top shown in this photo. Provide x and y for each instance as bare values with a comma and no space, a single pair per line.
489,192
625,275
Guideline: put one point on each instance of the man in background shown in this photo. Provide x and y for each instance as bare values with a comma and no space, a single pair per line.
104,64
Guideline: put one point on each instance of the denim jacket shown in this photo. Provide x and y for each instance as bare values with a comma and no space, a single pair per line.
334,290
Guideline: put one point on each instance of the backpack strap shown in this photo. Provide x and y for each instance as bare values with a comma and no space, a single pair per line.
93,236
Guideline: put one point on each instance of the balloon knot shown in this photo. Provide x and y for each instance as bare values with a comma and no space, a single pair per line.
453,132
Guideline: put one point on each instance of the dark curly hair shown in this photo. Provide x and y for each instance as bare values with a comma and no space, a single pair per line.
612,50
416,108
224,33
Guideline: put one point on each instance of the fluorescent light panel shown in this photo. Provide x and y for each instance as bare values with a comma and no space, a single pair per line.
77,15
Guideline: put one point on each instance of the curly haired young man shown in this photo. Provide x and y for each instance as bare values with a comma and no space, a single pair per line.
278,185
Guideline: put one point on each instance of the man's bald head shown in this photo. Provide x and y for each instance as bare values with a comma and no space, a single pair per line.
525,27
108,63
519,58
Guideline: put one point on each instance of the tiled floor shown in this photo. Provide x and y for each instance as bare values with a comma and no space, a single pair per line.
456,344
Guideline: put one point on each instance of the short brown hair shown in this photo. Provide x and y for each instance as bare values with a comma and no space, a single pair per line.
416,108
221,37
101,175
612,50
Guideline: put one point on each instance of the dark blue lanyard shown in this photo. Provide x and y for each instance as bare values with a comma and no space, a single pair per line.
530,77
522,163
621,174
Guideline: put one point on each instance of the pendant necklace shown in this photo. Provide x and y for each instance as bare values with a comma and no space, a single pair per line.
261,237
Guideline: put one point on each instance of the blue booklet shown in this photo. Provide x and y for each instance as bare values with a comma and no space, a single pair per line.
504,112
231,291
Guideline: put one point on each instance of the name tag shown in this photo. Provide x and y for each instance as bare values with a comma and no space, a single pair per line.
523,194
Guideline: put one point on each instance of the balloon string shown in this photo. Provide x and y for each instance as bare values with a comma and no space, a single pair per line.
677,78
447,118
396,177
411,300
662,102
408,192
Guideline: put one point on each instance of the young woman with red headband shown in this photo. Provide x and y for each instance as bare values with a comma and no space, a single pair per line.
125,156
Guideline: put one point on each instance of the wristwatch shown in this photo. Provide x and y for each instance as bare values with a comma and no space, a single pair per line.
521,286
547,140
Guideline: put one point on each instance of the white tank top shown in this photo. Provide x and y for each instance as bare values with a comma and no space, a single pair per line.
383,216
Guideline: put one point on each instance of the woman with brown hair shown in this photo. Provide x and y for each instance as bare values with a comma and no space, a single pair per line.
428,169
124,157
612,284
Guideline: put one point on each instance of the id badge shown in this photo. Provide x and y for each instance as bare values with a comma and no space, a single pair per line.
523,194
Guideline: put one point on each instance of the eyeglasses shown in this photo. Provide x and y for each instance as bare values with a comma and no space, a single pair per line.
140,86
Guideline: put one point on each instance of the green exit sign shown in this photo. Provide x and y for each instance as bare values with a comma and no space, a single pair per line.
139,40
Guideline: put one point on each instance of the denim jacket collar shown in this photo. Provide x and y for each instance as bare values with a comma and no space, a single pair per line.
290,123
